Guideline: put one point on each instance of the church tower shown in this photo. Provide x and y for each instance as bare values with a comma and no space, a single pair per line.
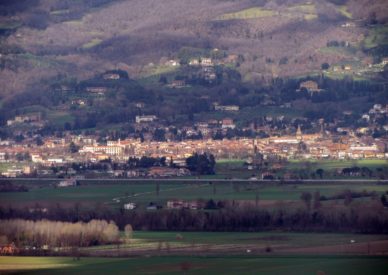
299,135
257,158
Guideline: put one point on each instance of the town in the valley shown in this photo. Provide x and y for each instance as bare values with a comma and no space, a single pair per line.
49,156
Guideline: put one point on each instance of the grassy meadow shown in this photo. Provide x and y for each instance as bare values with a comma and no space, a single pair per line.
115,194
247,14
261,239
307,11
198,265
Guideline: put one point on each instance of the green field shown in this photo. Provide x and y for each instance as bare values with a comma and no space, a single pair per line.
308,11
92,43
115,193
59,117
339,164
10,25
92,193
377,36
236,169
199,265
247,14
344,11
332,168
256,238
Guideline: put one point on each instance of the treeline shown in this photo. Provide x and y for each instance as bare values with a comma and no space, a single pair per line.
59,234
348,195
351,218
202,164
10,187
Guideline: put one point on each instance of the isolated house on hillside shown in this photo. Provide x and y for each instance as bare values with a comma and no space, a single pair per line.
228,123
111,76
142,119
97,89
310,86
227,108
206,62
172,63
178,84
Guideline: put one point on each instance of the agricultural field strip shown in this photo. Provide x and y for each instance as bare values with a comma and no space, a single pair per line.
211,265
152,192
182,246
278,249
226,242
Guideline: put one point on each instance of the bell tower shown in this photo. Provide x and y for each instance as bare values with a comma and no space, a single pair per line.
299,135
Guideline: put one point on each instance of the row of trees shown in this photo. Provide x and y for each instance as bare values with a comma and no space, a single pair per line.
372,218
10,187
59,234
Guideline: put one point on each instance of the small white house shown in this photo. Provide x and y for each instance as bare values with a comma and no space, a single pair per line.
67,183
129,206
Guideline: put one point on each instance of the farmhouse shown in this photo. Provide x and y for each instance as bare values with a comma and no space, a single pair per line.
180,204
172,63
111,76
79,102
140,105
97,90
167,172
178,84
347,67
348,25
129,206
206,62
67,183
227,123
3,157
194,62
231,58
24,119
310,86
226,108
9,249
12,173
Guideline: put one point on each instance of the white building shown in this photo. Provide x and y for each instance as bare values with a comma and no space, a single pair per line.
129,206
227,108
142,119
109,150
67,183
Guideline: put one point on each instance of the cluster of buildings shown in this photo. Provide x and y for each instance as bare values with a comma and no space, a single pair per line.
171,204
55,151
33,119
